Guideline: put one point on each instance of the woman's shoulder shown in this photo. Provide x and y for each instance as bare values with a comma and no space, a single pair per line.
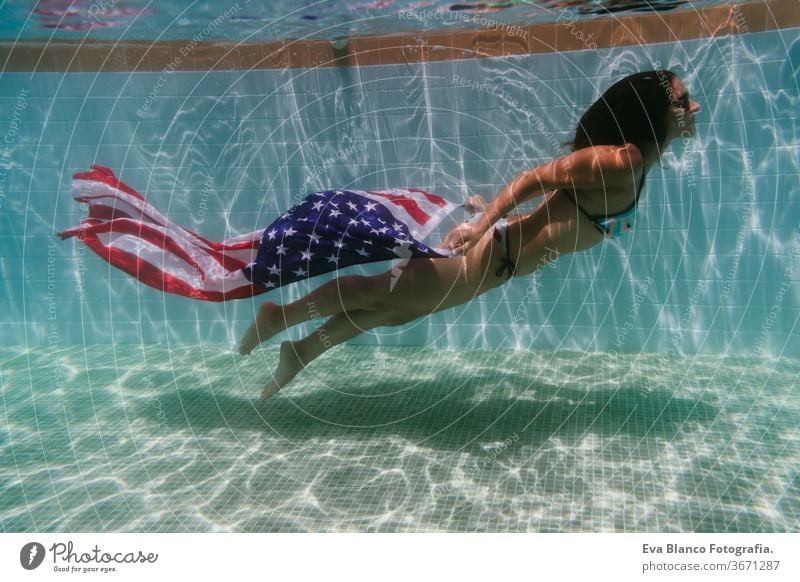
599,167
614,158
594,167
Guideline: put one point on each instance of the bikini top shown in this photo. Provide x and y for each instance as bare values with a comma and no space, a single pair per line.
613,225
617,224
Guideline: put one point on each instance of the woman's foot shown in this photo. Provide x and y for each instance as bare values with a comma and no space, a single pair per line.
290,362
268,322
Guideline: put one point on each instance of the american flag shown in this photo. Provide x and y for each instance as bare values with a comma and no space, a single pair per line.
326,231
338,228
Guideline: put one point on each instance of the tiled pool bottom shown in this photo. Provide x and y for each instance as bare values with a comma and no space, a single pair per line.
173,439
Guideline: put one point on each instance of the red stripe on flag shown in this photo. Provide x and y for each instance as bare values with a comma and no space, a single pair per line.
147,234
77,230
222,247
433,198
160,239
103,212
158,279
408,204
111,200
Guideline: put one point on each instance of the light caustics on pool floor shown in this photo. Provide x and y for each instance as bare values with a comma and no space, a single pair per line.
399,439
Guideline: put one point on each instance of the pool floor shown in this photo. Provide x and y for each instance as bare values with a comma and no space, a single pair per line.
158,438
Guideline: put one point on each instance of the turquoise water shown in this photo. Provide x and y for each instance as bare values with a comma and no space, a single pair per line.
246,21
124,409
711,267
172,439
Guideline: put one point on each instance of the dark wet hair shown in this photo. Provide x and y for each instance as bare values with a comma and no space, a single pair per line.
633,110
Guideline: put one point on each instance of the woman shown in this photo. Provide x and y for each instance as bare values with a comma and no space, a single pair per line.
591,193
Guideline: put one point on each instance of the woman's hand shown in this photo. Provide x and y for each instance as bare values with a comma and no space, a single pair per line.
475,204
463,237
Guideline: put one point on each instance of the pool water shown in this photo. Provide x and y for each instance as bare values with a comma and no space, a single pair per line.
47,20
163,438
126,409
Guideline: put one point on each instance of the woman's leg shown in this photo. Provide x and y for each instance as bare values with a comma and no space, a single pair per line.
336,296
421,285
295,355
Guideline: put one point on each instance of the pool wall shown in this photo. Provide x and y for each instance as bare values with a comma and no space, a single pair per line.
712,265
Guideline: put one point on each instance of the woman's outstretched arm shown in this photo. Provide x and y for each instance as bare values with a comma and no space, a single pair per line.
587,168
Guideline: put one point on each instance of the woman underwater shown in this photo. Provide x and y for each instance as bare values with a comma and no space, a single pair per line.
590,195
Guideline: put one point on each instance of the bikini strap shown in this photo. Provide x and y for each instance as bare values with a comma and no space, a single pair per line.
506,263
